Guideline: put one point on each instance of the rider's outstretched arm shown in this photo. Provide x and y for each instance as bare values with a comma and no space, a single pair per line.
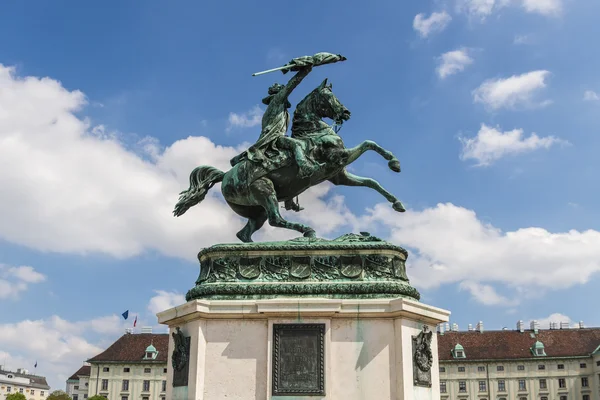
294,82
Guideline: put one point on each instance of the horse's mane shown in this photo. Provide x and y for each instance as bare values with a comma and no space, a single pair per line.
306,120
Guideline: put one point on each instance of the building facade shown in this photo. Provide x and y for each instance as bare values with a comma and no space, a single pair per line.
134,367
521,364
34,387
78,383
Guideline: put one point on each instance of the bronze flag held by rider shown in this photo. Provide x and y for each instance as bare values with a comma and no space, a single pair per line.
278,168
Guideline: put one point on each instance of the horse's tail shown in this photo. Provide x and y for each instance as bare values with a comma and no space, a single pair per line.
202,178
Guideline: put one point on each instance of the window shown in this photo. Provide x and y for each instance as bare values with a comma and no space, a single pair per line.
522,385
481,369
75,397
105,369
543,384
85,395
20,390
443,387
458,351
522,398
461,369
145,398
561,366
482,387
8,389
598,363
563,397
126,369
104,384
87,384
164,386
561,383
32,391
10,376
584,381
125,385
442,369
146,386
583,365
147,370
123,397
76,387
541,366
462,386
544,398
42,393
460,354
164,371
586,397
520,367
500,368
501,386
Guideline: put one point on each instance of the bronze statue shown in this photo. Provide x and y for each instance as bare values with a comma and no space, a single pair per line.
278,168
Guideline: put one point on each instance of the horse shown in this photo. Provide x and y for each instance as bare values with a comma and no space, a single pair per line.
254,191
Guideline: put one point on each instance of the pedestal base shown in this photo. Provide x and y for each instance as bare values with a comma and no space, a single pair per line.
367,346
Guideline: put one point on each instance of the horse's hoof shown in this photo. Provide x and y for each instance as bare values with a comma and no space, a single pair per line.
310,234
394,165
398,206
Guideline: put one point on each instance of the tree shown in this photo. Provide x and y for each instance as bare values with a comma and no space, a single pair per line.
16,396
58,395
97,397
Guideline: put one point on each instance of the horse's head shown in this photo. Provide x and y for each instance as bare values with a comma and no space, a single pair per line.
327,105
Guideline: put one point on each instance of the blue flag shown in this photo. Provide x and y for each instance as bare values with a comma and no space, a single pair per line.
125,314
35,366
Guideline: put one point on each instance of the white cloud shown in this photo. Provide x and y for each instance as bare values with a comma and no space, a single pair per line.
481,9
435,23
165,300
543,7
523,39
247,119
486,294
453,62
14,280
544,323
491,144
72,187
450,244
590,95
512,92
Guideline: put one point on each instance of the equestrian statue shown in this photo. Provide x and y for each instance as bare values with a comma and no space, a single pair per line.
278,168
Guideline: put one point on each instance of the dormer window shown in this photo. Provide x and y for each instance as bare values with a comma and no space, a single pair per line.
458,351
538,349
151,353
10,376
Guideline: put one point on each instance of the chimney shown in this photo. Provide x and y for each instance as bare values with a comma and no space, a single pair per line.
129,330
534,325
552,325
455,327
447,326
581,326
470,327
520,326
147,329
564,325
480,326
441,329
505,328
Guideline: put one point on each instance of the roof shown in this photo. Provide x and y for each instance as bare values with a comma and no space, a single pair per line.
35,381
83,371
513,344
131,348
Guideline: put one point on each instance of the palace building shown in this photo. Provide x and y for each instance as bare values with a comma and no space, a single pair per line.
33,387
78,383
523,364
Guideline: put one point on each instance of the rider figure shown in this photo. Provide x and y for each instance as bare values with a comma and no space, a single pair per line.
275,122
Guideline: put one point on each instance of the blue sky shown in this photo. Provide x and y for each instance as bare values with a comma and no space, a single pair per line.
105,109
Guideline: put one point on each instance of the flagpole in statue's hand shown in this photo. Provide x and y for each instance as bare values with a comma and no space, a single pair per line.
300,62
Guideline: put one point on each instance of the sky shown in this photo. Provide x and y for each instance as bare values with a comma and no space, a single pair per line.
491,106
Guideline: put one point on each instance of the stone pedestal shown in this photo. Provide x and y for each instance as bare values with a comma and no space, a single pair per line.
303,319
368,347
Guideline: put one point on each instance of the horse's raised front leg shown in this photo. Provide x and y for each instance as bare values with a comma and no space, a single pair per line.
345,178
355,152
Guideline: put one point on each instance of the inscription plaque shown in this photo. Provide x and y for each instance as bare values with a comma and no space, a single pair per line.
298,359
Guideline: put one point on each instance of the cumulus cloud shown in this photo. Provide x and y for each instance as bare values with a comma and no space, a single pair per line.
558,318
590,95
481,9
73,187
453,62
485,294
165,300
512,92
248,119
435,23
450,244
14,280
491,144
